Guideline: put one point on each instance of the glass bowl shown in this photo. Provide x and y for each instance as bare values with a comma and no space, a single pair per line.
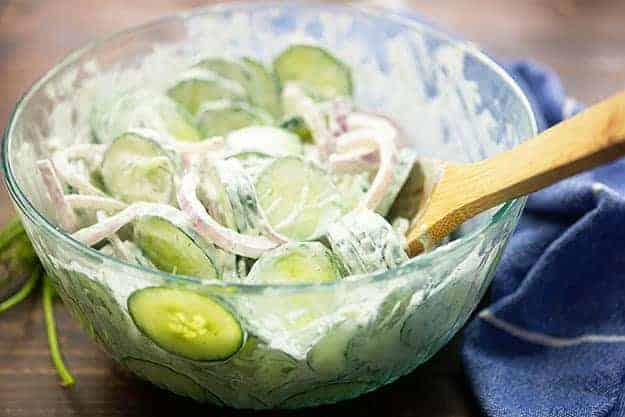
305,344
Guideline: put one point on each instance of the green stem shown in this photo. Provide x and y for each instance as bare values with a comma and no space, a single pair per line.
48,293
10,231
24,292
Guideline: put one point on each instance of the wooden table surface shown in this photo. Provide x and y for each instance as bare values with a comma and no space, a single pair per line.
582,40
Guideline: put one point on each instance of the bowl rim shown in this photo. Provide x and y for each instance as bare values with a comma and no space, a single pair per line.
400,17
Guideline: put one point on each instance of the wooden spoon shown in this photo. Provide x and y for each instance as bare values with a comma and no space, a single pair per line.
453,193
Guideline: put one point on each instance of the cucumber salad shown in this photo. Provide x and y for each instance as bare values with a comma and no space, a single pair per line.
247,173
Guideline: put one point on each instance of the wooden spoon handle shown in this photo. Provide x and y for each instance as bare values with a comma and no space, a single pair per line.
591,138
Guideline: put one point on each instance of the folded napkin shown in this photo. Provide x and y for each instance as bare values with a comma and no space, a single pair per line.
552,340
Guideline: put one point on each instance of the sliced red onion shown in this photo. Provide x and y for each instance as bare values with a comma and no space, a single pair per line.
384,140
64,210
71,177
354,162
337,116
359,119
206,226
105,228
95,202
118,246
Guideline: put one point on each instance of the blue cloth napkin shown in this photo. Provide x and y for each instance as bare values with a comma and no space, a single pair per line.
552,341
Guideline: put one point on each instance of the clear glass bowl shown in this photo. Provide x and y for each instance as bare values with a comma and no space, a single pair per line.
306,344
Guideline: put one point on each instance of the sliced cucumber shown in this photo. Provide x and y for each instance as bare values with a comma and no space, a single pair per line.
298,126
296,263
269,140
328,357
228,193
263,88
316,69
352,187
212,193
326,394
299,199
266,368
219,118
115,115
406,203
136,168
241,196
167,378
365,242
201,88
405,162
185,323
173,249
228,69
252,162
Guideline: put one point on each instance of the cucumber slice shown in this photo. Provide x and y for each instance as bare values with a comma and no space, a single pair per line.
298,126
185,323
241,196
352,187
219,118
406,203
136,168
328,357
266,368
173,249
115,115
263,88
212,194
316,69
405,162
201,88
165,377
326,394
228,69
297,263
299,199
229,194
269,140
365,242
252,162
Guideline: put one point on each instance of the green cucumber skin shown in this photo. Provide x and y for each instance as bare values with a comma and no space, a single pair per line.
111,174
272,267
308,224
112,116
316,68
146,327
263,87
164,253
298,126
192,93
366,242
219,122
403,169
226,68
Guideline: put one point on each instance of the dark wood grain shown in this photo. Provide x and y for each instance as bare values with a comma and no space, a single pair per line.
582,40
